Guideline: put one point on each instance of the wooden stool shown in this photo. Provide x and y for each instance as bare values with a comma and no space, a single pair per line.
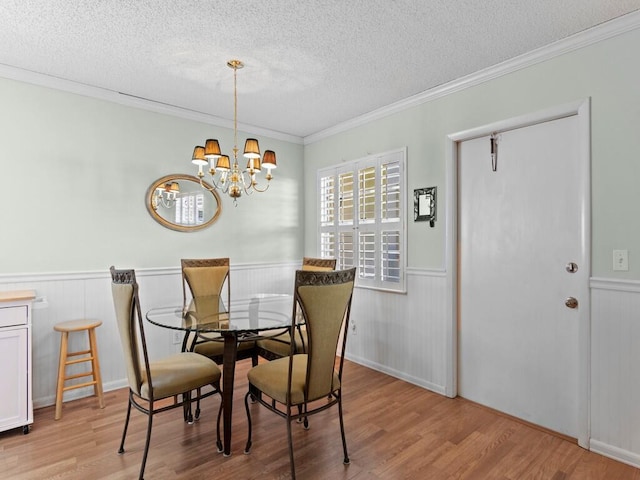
90,355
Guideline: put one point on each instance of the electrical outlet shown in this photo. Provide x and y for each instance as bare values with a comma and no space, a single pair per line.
621,260
177,337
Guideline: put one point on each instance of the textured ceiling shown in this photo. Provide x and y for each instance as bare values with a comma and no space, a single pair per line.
310,65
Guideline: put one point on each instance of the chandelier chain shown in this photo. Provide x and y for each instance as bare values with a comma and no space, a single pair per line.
235,112
226,175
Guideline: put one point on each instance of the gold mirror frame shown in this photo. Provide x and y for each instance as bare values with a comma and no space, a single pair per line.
151,202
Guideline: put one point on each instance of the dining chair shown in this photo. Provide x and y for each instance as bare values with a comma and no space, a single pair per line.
151,382
303,384
205,278
208,277
279,346
318,264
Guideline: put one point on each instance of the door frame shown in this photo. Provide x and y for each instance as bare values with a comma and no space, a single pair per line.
581,109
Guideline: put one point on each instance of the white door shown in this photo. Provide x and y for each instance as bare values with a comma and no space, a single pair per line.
519,227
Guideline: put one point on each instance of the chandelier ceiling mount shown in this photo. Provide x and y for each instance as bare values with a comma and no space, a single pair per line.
227,176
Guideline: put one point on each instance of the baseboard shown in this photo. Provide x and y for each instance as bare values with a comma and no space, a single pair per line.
440,389
79,393
616,453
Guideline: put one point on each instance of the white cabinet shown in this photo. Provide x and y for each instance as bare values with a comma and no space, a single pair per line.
16,404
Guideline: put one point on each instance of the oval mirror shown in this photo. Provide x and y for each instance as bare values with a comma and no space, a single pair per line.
183,203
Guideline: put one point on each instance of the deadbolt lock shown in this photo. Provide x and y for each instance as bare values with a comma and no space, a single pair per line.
571,302
572,267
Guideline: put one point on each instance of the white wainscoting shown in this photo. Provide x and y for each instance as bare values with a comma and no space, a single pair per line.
403,335
62,297
615,369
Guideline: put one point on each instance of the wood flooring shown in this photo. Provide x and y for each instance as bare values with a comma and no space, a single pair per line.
394,430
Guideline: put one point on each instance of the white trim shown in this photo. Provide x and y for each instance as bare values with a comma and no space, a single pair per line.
381,289
253,266
49,400
82,275
451,267
624,456
582,39
584,328
632,286
582,110
612,28
155,271
48,81
140,272
426,272
396,373
549,114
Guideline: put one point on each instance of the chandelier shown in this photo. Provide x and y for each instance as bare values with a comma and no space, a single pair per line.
166,195
228,177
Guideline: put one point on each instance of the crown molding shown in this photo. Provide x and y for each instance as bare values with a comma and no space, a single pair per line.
48,81
609,29
612,28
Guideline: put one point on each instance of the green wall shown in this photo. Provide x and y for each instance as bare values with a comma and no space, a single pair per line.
75,171
608,72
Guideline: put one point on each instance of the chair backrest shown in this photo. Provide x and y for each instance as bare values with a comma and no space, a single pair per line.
205,309
205,277
124,289
325,301
318,264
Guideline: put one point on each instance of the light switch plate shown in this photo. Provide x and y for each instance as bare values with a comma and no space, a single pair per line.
621,260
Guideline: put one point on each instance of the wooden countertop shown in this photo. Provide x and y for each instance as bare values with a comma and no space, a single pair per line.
17,295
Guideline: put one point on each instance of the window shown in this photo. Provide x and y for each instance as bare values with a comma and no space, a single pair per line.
361,212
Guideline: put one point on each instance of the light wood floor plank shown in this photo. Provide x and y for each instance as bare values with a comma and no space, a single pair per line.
395,431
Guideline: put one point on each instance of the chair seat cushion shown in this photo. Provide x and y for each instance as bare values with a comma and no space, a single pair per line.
179,373
271,378
281,345
216,348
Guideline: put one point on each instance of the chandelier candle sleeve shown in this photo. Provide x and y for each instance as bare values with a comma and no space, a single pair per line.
226,175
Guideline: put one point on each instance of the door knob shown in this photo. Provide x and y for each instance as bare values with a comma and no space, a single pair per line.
571,302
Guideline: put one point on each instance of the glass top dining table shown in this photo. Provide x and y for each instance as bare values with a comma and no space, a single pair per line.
245,320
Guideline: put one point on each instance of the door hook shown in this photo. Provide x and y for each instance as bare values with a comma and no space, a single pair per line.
494,151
